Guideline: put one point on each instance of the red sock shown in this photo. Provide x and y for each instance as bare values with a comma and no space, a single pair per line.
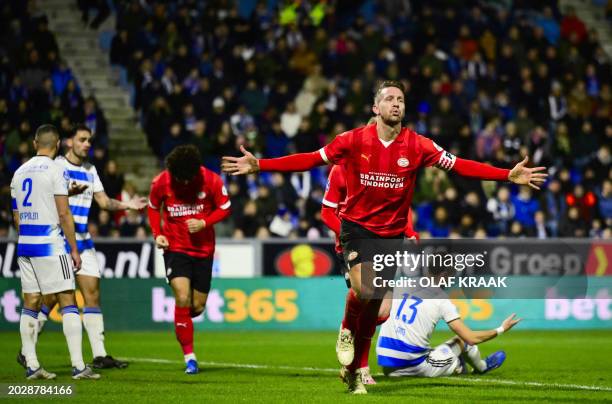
363,338
381,320
364,352
352,310
183,327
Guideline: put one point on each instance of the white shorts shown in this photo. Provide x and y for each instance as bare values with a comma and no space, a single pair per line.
89,263
440,362
46,275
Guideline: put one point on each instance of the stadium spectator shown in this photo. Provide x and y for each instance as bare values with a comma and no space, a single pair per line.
541,76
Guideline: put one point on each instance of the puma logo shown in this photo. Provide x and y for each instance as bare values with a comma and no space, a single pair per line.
366,156
181,325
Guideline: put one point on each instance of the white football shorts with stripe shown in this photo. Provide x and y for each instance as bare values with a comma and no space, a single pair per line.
46,275
440,362
42,256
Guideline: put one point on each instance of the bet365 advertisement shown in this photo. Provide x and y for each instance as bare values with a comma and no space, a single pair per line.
309,304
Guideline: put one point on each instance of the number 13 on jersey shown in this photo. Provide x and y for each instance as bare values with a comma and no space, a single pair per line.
408,318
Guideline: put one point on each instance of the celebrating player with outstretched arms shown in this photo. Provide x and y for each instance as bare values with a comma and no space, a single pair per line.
191,200
381,162
334,201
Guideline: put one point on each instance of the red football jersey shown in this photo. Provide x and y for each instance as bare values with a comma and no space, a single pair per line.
335,194
335,198
194,201
380,176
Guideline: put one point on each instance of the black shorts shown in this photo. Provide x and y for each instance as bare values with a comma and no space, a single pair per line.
198,270
344,269
359,244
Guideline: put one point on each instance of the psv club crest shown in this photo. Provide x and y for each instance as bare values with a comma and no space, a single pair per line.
403,162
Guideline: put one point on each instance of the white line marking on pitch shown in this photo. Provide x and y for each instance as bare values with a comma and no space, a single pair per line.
331,370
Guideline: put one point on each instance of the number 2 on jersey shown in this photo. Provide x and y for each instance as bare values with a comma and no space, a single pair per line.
27,187
413,306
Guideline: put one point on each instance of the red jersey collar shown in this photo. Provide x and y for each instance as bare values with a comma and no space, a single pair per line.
371,130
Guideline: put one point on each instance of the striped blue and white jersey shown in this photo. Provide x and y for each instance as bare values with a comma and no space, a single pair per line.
33,190
85,174
404,338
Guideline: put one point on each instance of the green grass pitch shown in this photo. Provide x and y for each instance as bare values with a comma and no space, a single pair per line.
542,366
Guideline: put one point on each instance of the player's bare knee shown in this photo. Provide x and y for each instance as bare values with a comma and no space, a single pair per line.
196,311
66,298
33,301
456,341
183,299
49,301
92,298
356,289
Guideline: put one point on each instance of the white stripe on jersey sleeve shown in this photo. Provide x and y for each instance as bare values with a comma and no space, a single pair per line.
323,155
330,204
226,205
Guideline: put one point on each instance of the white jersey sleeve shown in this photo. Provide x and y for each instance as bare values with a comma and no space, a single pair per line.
13,194
59,179
448,311
97,183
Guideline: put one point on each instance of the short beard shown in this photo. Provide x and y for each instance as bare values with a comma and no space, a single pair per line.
392,121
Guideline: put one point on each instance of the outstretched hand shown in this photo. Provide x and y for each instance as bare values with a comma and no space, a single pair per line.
76,189
510,322
247,164
137,203
527,176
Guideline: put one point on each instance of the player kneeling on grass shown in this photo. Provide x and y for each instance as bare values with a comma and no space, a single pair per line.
404,349
192,200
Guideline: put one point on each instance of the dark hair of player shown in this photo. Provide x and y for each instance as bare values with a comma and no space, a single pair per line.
79,127
387,84
46,135
183,162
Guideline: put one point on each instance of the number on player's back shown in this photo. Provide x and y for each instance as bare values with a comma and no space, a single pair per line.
408,318
26,186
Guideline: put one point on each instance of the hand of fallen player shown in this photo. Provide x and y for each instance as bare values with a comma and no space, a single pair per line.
510,322
527,176
76,189
247,164
137,203
195,225
162,242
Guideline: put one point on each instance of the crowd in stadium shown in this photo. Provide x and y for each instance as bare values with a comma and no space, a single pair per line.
483,79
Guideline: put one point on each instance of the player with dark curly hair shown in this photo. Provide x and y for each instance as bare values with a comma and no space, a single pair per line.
191,200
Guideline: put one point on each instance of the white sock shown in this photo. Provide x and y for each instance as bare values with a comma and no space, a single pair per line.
473,358
73,330
28,327
94,324
189,357
43,316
